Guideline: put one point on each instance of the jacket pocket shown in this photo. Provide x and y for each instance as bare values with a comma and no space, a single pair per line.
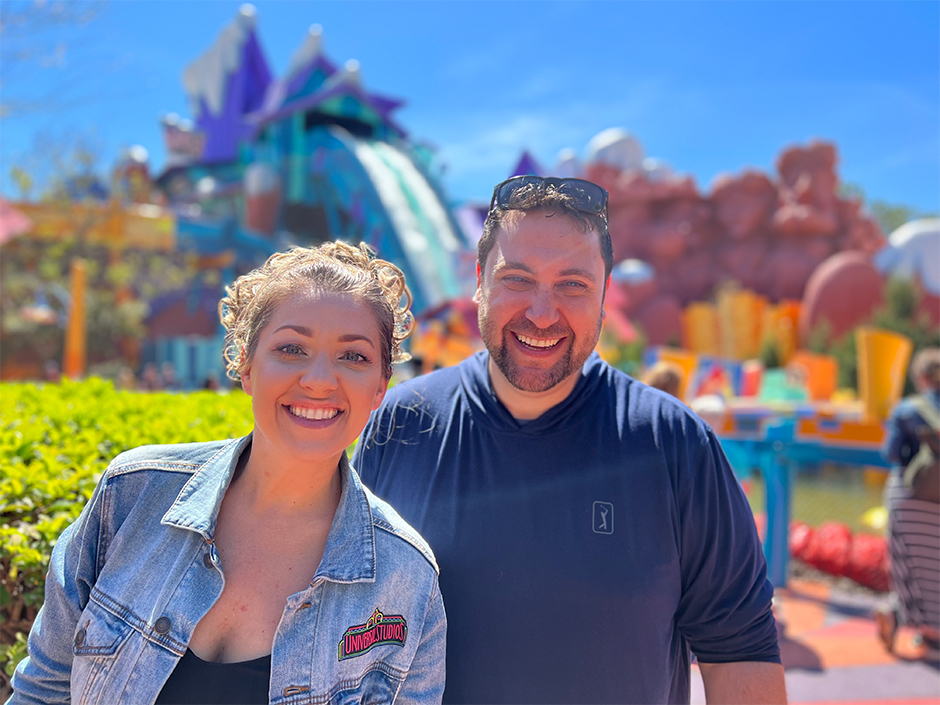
98,638
379,684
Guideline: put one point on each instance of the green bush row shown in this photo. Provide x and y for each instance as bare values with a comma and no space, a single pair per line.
56,440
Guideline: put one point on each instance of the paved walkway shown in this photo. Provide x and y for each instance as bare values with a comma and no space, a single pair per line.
831,652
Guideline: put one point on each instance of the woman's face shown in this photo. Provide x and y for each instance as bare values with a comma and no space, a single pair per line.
315,376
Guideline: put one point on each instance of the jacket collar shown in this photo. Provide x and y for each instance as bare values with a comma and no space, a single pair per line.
349,555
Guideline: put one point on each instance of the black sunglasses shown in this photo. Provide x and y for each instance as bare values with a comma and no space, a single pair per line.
589,197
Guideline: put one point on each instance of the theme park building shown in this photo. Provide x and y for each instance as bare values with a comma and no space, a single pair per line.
312,156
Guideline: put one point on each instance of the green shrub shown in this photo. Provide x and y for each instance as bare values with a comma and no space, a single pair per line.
57,440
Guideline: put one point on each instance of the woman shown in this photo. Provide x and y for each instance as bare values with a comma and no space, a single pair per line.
913,516
259,569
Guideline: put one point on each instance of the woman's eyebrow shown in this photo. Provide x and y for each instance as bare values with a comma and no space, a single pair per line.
352,337
303,330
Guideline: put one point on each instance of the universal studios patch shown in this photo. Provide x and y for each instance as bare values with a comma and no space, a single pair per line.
380,629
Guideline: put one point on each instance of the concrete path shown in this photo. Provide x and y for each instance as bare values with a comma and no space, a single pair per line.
832,655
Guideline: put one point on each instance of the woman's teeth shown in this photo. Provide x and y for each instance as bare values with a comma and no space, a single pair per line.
313,414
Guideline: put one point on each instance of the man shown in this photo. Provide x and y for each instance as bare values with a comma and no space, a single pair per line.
588,528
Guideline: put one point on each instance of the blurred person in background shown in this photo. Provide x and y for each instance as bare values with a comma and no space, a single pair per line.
258,569
125,379
665,376
168,377
150,378
590,531
912,498
51,371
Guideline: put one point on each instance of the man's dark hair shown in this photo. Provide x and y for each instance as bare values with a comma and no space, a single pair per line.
534,198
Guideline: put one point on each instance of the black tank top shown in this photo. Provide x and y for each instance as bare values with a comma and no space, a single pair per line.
198,682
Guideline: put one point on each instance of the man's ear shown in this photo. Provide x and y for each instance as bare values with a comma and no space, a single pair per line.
476,294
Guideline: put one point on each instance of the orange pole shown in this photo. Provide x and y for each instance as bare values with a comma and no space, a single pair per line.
73,365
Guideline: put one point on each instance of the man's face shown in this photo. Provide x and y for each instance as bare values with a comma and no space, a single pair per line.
540,294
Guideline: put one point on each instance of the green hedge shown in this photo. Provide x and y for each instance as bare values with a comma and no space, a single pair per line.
57,440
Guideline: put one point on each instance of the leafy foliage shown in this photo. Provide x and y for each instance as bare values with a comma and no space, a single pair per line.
34,271
57,440
899,314
890,216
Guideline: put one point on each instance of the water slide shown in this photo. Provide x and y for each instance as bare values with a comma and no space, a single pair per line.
426,234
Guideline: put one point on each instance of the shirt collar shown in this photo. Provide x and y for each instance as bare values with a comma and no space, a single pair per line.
349,555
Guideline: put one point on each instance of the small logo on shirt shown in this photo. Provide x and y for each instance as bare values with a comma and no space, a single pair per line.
380,629
603,518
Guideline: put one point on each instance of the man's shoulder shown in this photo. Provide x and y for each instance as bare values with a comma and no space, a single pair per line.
430,389
389,521
638,401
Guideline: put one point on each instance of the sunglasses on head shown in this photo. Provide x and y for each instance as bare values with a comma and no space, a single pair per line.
588,197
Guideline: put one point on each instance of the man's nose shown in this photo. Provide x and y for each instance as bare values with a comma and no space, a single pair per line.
542,311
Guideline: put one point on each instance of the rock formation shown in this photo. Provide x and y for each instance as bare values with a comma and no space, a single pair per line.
767,233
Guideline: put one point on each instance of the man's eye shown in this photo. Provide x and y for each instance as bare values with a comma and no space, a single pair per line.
576,285
290,349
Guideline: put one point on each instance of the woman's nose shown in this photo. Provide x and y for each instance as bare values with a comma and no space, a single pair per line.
319,374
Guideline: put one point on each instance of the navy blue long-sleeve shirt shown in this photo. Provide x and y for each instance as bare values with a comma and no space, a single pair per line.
582,553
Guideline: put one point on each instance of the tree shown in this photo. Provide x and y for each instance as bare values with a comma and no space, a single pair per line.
898,314
890,216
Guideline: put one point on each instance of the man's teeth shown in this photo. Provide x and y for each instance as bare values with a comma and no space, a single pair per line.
537,343
314,414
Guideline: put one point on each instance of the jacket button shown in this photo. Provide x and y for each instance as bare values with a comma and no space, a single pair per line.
162,625
207,560
80,638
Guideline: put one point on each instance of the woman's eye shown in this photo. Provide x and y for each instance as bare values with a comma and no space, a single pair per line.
290,349
353,356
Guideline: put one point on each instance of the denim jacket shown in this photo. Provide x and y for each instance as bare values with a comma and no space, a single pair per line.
131,578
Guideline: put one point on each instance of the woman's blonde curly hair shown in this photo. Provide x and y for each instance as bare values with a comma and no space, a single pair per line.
333,267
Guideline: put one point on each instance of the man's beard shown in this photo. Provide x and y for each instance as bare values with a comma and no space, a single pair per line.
534,379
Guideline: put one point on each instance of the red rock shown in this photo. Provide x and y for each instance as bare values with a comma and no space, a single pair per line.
845,289
797,219
930,306
694,277
744,262
661,320
785,272
743,204
808,174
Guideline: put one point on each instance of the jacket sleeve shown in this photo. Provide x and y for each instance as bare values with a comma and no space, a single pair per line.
425,680
44,676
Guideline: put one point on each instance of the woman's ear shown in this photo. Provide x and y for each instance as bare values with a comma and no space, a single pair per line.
245,374
380,394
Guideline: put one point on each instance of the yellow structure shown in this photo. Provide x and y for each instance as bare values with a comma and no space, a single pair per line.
142,226
73,363
779,324
700,328
882,366
739,324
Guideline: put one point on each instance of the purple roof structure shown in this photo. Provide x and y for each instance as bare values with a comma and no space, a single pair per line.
527,165
226,84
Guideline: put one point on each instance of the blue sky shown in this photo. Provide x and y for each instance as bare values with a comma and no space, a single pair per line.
707,87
